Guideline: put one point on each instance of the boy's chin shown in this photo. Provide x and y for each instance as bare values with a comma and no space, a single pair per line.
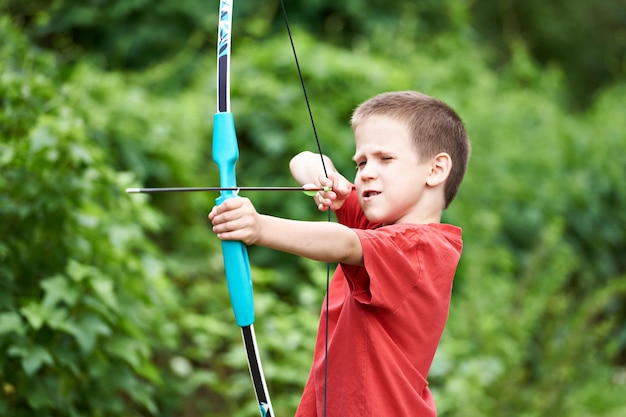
377,218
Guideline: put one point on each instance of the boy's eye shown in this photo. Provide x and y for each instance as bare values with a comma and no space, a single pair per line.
360,164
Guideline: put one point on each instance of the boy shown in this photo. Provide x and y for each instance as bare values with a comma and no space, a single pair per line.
389,297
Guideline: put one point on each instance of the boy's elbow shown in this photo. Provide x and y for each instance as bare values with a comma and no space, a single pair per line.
297,166
353,254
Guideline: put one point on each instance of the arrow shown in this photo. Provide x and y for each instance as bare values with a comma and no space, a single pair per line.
308,189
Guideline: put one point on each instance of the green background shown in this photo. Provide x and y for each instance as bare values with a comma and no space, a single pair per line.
115,305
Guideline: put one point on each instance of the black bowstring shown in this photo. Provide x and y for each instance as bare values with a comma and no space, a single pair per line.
319,149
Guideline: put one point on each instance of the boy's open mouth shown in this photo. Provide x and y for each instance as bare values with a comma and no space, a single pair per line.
370,193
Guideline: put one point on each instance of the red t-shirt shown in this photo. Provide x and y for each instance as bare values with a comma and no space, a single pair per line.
385,321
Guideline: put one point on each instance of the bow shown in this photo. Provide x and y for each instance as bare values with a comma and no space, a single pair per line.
236,263
225,155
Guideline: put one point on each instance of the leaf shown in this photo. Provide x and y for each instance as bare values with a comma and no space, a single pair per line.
41,138
77,271
87,330
35,314
37,357
33,357
58,289
127,349
38,314
103,287
11,322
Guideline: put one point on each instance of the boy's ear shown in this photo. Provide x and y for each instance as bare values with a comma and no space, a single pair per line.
440,169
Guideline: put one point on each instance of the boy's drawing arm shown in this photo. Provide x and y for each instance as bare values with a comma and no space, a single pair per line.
237,219
306,168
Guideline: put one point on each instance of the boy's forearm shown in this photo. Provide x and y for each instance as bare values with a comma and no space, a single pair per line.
306,167
320,241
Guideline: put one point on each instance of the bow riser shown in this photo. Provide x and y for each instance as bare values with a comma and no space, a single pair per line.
236,262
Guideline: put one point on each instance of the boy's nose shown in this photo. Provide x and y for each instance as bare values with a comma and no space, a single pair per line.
368,172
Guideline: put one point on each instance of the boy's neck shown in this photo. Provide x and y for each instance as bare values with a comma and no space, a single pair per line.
427,217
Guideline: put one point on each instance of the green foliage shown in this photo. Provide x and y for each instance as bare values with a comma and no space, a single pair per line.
119,34
77,332
585,39
519,343
537,321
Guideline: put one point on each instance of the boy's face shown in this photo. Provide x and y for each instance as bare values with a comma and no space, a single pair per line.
390,180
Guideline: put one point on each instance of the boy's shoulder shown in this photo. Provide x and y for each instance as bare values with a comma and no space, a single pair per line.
415,235
423,228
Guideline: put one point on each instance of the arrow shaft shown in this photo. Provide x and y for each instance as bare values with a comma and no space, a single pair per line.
235,189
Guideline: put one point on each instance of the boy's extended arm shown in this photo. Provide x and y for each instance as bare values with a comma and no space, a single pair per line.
319,241
237,219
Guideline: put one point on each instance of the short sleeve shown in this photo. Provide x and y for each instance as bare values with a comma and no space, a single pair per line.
397,258
392,266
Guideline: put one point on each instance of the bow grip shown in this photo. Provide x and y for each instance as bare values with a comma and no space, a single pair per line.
236,262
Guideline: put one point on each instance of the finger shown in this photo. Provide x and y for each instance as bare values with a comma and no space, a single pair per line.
212,213
224,220
323,204
222,224
230,235
324,181
231,204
